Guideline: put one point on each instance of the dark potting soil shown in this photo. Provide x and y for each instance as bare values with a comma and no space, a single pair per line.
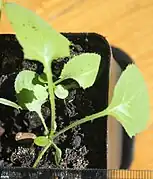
82,147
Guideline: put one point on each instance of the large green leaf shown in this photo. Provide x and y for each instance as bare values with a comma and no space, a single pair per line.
130,102
38,39
82,68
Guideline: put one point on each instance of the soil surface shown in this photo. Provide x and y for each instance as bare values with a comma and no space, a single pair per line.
82,147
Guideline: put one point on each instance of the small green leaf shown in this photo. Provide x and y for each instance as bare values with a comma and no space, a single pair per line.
43,78
42,141
9,103
82,68
30,93
25,79
40,92
61,92
38,39
130,102
58,154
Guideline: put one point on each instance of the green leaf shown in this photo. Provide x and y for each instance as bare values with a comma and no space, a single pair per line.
61,92
58,154
42,141
82,68
43,78
40,92
30,93
38,39
25,79
130,102
9,103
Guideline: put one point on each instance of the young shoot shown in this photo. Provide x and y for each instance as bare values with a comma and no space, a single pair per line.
42,43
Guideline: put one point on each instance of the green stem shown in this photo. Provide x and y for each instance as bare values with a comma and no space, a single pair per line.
81,121
58,154
43,122
41,155
51,97
58,81
74,124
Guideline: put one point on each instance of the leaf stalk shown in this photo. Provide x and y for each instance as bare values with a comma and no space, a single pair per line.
74,124
51,98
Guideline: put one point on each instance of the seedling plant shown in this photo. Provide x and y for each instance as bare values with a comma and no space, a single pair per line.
40,42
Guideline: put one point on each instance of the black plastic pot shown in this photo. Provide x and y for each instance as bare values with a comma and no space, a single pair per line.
90,42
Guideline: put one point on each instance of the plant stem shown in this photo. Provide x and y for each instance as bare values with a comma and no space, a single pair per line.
74,124
51,97
43,122
81,121
41,155
58,81
58,154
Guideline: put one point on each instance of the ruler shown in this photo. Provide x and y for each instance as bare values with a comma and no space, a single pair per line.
130,174
30,173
